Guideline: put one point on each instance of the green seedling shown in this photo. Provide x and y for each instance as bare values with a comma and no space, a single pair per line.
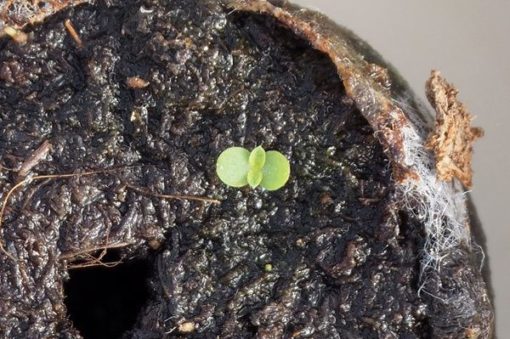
238,167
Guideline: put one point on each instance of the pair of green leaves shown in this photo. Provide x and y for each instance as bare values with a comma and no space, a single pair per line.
238,167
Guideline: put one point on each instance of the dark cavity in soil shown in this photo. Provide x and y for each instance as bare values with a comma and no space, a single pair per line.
104,302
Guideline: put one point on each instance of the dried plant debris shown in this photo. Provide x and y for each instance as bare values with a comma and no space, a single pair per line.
15,14
453,137
139,113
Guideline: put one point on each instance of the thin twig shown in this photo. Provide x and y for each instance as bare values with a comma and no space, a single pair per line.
95,263
71,255
72,32
40,153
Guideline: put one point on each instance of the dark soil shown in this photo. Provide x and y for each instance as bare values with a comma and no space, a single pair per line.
344,260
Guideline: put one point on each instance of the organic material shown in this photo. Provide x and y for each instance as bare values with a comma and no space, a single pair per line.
341,251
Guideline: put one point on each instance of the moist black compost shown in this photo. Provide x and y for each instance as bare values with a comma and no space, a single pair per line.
343,259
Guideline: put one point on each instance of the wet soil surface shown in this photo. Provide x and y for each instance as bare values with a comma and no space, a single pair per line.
344,260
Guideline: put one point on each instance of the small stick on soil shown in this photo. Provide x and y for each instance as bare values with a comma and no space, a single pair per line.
72,32
172,196
40,153
71,255
186,327
94,261
136,82
18,36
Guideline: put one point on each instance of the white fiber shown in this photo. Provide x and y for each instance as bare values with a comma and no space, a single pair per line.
440,206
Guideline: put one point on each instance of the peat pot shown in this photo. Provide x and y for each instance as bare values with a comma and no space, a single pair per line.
115,224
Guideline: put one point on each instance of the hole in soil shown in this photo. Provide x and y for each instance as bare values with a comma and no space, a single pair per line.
104,302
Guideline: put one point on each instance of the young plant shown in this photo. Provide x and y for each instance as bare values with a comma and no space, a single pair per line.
238,167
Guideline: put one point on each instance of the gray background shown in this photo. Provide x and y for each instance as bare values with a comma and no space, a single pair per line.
469,42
